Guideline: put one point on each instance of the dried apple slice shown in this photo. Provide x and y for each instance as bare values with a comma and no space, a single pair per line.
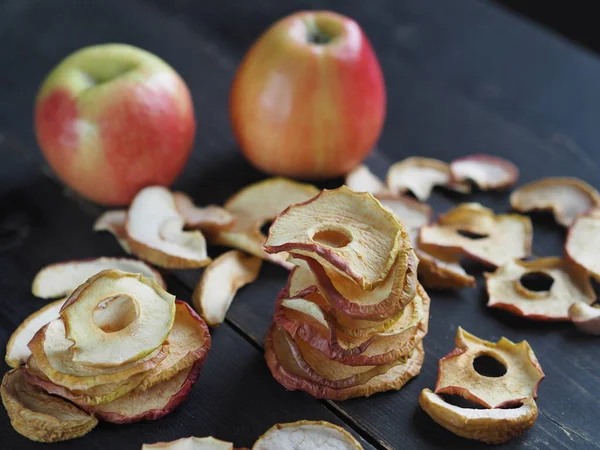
220,282
191,443
155,232
152,321
486,171
149,404
583,243
586,317
306,434
419,175
457,374
361,179
113,221
410,212
209,218
566,197
39,416
492,426
257,205
507,288
439,269
476,232
17,351
60,279
349,231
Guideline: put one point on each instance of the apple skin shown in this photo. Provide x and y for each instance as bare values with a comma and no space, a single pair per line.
111,119
306,110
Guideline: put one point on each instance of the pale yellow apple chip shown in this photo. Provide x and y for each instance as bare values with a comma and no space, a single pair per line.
476,232
411,213
583,243
361,179
207,218
257,205
220,282
348,231
492,426
586,317
39,416
60,279
420,175
566,197
155,232
486,171
306,434
113,221
559,285
191,443
458,375
439,269
17,351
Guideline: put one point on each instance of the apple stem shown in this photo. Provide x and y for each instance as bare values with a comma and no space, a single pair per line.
315,34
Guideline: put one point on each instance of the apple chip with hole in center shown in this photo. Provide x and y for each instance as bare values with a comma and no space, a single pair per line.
543,289
476,232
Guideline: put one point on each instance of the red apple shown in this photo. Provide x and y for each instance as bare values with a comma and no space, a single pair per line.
112,119
308,100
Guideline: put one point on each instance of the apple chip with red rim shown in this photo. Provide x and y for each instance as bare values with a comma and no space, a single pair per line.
543,289
457,373
113,221
155,232
583,243
152,319
206,218
39,416
60,279
486,171
306,434
221,281
191,443
361,179
493,426
586,317
420,175
474,231
256,205
348,231
566,197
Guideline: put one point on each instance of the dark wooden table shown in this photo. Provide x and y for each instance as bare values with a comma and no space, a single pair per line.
462,77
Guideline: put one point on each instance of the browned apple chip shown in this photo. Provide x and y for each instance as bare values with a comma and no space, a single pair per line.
221,281
60,279
191,443
543,289
209,218
361,179
492,426
420,175
306,434
39,416
155,232
566,197
486,171
257,205
583,243
114,222
586,317
440,269
476,232
458,374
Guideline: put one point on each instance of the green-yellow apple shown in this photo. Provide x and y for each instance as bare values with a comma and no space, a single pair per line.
112,119
309,98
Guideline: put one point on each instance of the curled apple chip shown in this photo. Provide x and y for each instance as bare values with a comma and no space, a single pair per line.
566,197
256,205
476,232
149,404
306,434
361,179
191,443
486,171
60,279
412,213
458,374
155,232
349,231
420,175
39,416
220,282
17,351
543,289
207,218
583,243
586,317
113,221
153,313
492,426
439,269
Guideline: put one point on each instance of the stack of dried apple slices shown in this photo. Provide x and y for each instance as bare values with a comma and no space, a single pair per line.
120,349
351,319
